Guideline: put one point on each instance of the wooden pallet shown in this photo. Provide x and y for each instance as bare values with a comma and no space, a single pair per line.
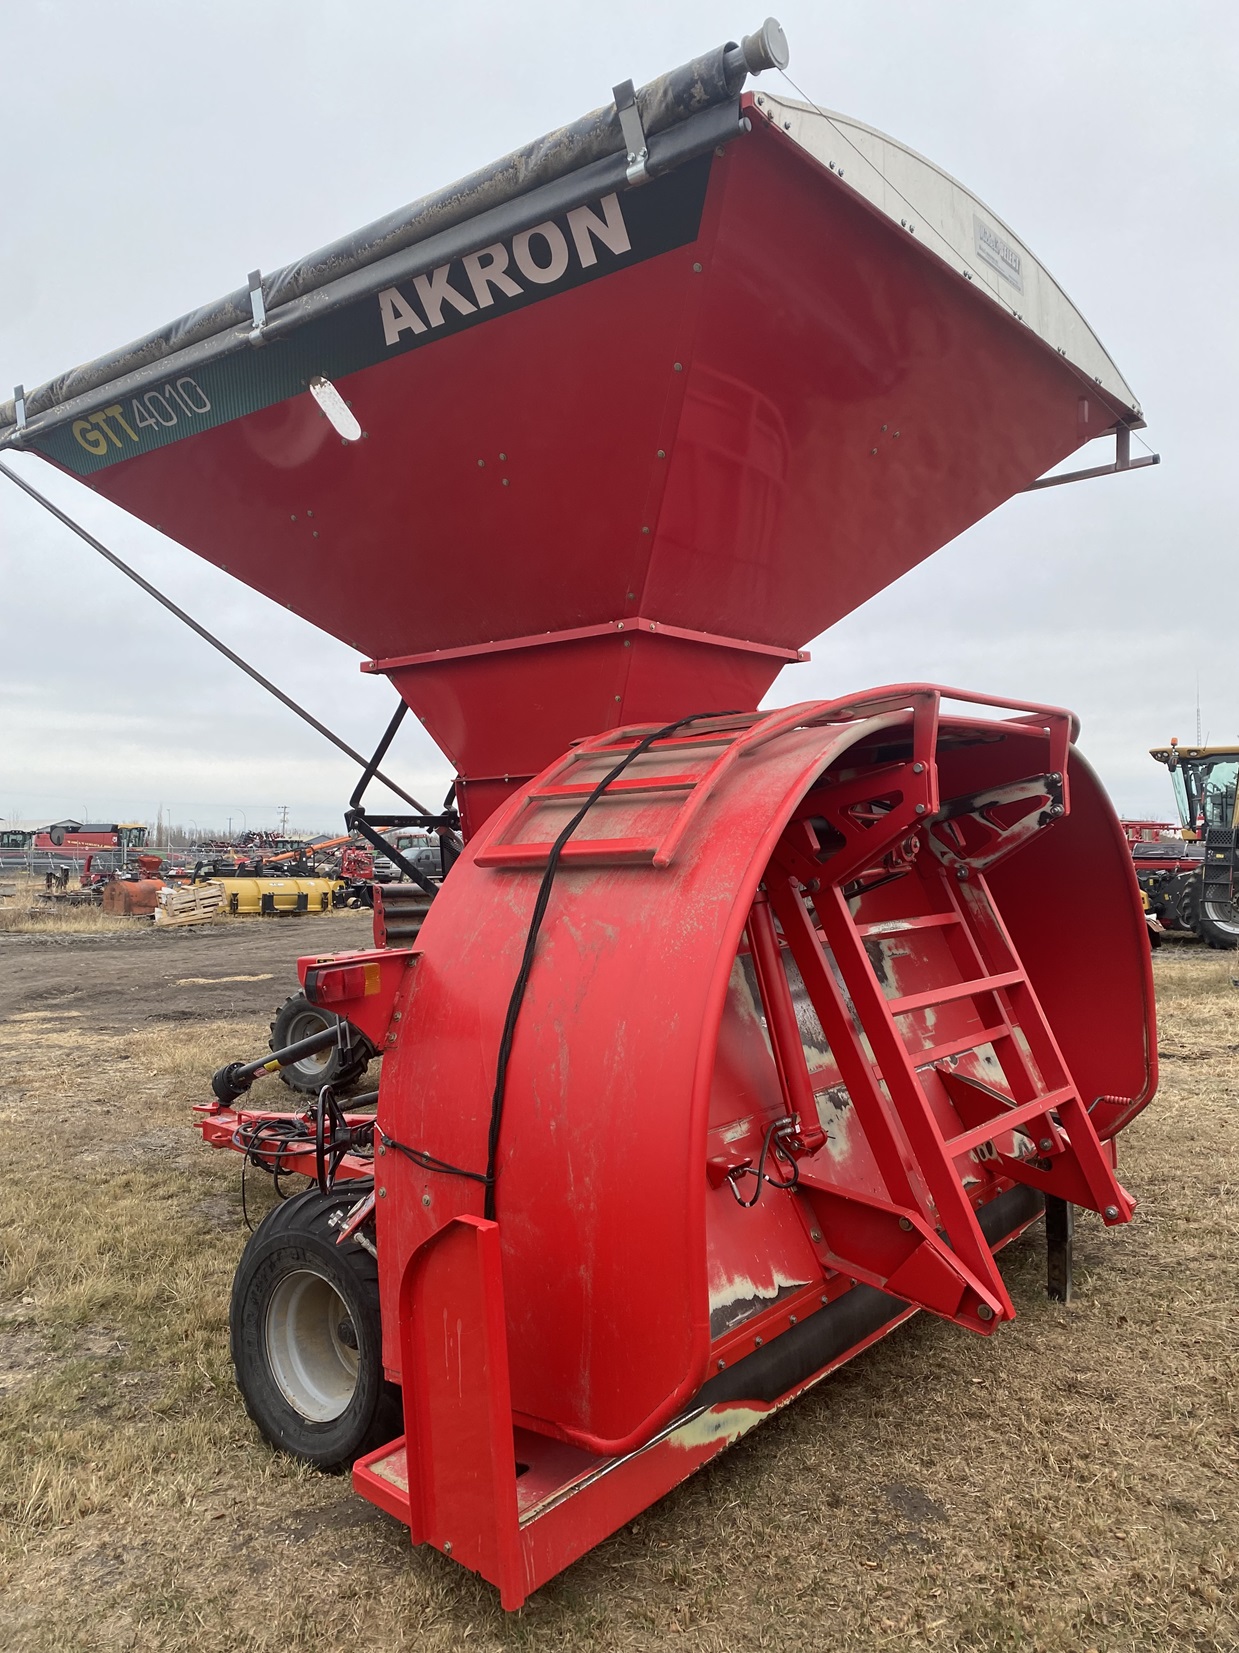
190,904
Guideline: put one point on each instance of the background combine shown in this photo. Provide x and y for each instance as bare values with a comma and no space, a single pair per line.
733,1037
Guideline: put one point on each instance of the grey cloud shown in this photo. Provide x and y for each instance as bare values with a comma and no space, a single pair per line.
165,151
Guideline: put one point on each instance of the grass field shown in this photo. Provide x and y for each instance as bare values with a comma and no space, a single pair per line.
1071,1484
23,912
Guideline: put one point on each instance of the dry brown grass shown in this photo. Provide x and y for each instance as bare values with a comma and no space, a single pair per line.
24,913
1068,1485
65,921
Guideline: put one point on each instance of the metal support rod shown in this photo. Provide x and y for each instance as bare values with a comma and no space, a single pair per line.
1060,1222
355,816
1123,461
782,1026
235,1078
371,766
207,637
356,821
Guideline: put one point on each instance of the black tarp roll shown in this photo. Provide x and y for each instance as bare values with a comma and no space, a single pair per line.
665,102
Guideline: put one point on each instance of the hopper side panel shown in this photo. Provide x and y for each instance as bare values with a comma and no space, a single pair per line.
506,470
853,405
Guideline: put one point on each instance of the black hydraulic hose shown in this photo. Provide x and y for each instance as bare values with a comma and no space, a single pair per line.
208,637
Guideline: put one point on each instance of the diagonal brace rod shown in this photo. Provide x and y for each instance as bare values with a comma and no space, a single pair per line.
207,637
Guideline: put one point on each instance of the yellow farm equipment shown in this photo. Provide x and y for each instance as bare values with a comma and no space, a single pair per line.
269,897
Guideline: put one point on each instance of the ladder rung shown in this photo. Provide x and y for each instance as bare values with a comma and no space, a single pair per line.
684,743
1007,1121
956,1047
594,852
617,788
954,990
896,926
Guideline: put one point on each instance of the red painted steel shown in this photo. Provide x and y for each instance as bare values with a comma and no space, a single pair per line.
459,1457
799,1046
864,864
223,1127
595,1359
1144,832
955,1068
567,1500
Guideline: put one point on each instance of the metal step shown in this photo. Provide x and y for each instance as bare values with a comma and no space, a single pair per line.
399,913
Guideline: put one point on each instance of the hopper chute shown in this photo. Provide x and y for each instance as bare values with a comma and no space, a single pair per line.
587,440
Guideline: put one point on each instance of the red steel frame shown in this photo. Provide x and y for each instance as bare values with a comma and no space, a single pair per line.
860,858
809,946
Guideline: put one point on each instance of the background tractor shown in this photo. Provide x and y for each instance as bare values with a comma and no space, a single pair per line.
1190,884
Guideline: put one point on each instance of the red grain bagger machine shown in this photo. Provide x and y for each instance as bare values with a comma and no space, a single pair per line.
733,1037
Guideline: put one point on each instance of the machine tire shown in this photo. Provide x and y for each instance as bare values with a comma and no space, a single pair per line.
297,1019
309,1393
1220,936
1199,914
1187,902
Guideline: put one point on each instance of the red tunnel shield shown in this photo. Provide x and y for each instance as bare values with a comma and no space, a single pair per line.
601,1183
743,438
600,1203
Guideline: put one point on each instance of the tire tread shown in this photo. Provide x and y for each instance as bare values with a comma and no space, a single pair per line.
303,1220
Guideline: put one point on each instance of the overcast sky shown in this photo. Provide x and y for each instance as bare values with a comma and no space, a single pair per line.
157,152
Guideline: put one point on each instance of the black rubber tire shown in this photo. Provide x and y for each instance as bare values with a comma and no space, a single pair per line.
1187,902
294,1240
1214,934
1217,936
297,1019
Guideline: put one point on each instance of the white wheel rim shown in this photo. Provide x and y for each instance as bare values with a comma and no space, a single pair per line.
304,1027
1224,915
316,1370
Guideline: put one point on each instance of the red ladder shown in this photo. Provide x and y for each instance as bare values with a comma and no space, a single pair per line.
924,1242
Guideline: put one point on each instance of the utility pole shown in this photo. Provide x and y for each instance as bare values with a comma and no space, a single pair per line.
283,820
